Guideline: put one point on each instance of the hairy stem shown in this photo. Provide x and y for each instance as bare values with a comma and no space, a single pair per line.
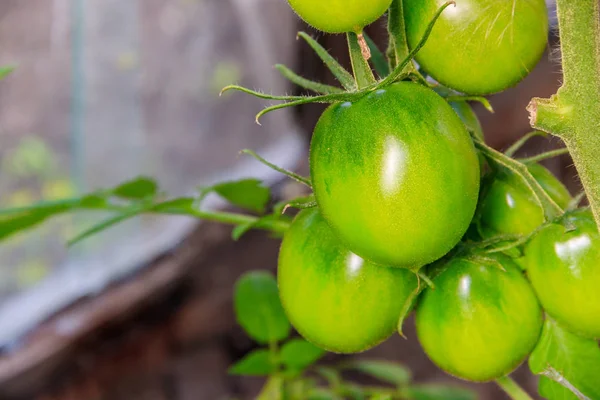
574,112
359,55
398,46
512,388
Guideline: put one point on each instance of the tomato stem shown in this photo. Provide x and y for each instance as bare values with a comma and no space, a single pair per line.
398,45
359,55
513,389
574,112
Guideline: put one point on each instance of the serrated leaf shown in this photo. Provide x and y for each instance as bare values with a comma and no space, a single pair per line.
568,359
249,194
383,370
136,189
6,70
299,354
258,308
438,392
256,363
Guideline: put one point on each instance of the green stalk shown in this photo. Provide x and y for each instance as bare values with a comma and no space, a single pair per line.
359,55
398,46
512,388
574,112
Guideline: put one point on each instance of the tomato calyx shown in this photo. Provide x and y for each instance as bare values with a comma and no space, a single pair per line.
352,90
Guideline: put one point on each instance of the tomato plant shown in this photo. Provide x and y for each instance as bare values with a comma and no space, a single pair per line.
334,298
509,206
479,46
339,16
385,175
563,259
395,166
481,320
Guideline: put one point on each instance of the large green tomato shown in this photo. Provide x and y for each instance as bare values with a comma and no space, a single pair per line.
480,322
396,175
335,299
564,268
479,46
340,16
510,208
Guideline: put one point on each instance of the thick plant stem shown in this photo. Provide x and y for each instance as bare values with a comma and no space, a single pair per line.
574,112
359,55
512,389
398,46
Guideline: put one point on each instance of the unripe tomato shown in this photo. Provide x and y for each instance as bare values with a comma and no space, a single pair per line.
564,269
510,208
479,46
395,174
340,16
480,322
335,299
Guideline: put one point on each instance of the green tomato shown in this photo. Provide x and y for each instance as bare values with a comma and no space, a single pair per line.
564,268
480,322
510,208
396,175
340,16
479,46
335,299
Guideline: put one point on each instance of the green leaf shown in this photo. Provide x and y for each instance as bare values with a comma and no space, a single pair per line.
258,308
383,370
249,194
273,389
377,58
316,87
568,359
256,363
299,354
438,392
343,76
6,70
14,224
136,189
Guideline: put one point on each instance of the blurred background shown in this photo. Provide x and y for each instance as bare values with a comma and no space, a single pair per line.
106,90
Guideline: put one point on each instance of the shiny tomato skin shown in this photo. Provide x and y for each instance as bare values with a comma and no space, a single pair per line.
479,46
332,297
339,16
510,208
480,322
396,175
564,269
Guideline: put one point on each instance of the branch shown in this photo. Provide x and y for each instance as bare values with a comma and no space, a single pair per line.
574,112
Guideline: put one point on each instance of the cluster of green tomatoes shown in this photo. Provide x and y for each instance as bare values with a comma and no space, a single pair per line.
402,195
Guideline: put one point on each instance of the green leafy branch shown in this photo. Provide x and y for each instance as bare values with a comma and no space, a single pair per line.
143,196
